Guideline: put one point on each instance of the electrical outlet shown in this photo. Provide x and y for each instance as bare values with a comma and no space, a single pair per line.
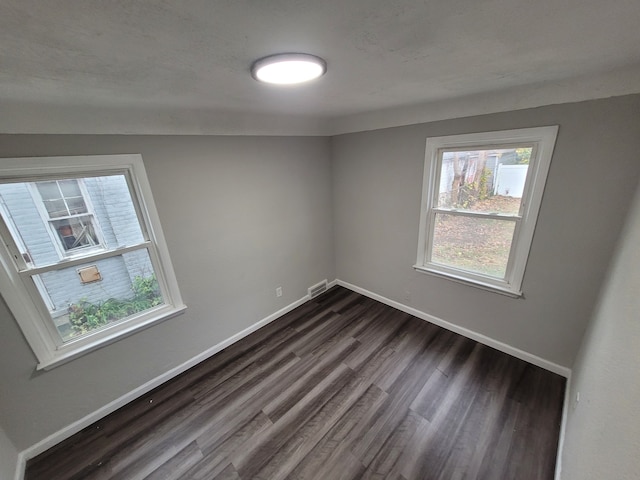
278,291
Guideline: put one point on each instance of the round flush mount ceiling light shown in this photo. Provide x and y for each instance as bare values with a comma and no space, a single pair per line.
288,68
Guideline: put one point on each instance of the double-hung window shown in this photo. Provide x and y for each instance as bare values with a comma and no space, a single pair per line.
481,197
83,255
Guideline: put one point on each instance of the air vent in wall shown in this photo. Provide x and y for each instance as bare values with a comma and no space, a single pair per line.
317,289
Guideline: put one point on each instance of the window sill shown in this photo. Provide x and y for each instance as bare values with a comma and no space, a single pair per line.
68,352
472,283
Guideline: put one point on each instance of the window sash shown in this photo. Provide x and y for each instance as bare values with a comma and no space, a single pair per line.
29,278
63,198
455,271
87,237
71,262
471,213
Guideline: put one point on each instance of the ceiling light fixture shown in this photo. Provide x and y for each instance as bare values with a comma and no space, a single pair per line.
288,68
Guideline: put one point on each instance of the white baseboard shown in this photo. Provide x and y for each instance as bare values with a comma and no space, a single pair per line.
563,429
22,463
102,412
465,332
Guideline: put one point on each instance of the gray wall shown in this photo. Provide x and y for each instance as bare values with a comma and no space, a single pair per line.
242,215
603,430
377,182
8,457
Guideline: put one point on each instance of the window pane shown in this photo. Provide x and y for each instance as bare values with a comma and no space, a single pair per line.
76,205
479,245
70,188
76,232
49,190
108,291
56,208
489,181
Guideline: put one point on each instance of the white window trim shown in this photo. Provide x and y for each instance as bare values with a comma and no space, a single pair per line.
543,139
20,293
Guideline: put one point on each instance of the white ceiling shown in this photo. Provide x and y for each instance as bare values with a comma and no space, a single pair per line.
151,66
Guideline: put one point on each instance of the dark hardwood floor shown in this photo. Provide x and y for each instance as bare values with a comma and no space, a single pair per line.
343,387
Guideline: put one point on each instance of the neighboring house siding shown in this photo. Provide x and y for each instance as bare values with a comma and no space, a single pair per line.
116,220
510,180
20,204
110,197
97,197
64,286
116,212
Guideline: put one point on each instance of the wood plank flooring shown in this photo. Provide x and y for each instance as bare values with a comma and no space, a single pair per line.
343,387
